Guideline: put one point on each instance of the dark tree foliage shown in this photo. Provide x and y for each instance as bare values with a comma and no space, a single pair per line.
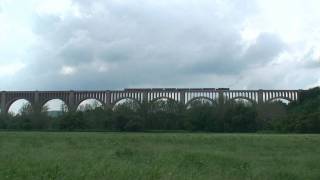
166,114
302,117
201,117
240,118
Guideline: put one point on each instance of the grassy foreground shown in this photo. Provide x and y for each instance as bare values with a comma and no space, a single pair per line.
42,155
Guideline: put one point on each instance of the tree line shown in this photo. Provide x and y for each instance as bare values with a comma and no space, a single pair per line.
167,115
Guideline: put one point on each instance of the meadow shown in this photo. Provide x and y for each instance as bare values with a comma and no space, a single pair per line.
100,155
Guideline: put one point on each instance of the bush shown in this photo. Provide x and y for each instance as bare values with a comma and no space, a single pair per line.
240,118
134,124
72,121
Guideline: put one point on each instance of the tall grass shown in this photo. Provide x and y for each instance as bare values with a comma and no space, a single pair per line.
83,155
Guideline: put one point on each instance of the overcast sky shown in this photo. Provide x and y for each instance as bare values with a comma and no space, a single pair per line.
115,44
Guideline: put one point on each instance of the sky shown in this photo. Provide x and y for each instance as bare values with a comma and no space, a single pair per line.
116,44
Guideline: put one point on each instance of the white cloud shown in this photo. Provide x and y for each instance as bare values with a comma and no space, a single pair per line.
11,69
68,70
56,7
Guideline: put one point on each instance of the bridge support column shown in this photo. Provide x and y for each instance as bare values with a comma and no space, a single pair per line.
145,97
183,97
3,103
220,97
299,94
108,100
37,106
260,96
71,103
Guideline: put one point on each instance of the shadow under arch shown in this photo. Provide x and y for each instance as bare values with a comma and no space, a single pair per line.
242,98
285,100
213,102
52,105
18,102
124,100
98,104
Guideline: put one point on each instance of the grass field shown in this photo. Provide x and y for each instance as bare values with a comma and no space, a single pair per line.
42,155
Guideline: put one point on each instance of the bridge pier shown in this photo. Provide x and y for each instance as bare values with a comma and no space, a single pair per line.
299,94
260,96
183,97
144,97
71,104
36,104
220,97
3,103
108,101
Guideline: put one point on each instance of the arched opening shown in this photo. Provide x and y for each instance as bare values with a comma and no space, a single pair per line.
164,104
279,101
55,107
126,103
89,104
20,107
164,114
243,101
201,101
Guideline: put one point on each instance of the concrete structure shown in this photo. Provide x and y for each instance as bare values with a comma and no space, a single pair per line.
109,98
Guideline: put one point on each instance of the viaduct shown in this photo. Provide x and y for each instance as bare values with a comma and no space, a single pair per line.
109,98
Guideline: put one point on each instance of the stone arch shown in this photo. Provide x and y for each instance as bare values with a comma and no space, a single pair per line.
93,99
115,104
15,100
214,102
234,99
123,98
279,98
54,99
164,104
